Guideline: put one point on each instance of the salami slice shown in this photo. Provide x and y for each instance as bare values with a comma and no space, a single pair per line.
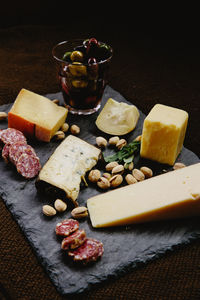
67,227
1,143
17,149
74,240
5,152
11,135
28,165
89,251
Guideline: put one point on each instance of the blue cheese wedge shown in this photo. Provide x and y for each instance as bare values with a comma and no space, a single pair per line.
67,166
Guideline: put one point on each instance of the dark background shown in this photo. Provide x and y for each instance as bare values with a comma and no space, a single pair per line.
156,60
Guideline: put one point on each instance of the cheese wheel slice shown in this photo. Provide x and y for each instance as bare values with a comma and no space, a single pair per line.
117,118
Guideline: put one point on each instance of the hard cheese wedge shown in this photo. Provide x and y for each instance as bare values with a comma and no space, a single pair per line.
117,118
163,134
36,116
171,195
67,165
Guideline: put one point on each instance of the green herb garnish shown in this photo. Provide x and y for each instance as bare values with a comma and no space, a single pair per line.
126,154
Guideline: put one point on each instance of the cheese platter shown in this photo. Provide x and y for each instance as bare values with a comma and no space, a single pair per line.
125,247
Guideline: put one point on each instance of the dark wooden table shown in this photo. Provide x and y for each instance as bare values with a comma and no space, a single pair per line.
147,69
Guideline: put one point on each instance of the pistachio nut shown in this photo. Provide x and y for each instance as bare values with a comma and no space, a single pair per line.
119,169
101,141
147,172
60,205
65,127
113,140
75,129
48,210
116,180
79,212
94,175
131,166
178,165
3,116
103,183
138,138
130,179
59,135
138,175
121,143
111,165
107,175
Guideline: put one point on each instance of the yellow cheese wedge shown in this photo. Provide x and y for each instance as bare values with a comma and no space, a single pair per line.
36,116
171,195
163,134
117,118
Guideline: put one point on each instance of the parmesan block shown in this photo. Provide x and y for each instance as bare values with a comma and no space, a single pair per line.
36,116
163,134
67,166
175,194
117,118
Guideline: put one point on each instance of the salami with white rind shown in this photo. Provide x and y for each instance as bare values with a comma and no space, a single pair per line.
90,251
11,135
5,152
67,227
17,149
74,240
28,165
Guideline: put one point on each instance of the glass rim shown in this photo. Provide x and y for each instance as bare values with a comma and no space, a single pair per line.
74,40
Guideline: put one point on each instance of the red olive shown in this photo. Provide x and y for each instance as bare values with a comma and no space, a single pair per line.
92,61
92,45
93,41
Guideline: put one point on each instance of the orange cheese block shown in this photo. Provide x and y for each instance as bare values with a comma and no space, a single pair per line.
36,116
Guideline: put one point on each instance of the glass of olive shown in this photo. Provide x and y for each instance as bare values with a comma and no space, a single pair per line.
82,70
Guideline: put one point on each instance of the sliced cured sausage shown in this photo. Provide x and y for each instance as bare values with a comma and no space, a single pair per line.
17,149
89,251
11,135
28,165
66,227
74,240
5,152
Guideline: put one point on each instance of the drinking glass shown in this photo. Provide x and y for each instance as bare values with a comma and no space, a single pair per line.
82,78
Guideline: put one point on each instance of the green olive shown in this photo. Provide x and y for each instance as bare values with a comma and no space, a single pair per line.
105,46
79,83
77,69
76,56
67,55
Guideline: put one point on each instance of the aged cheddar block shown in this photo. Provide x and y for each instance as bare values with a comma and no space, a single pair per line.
175,194
117,118
163,133
67,166
36,116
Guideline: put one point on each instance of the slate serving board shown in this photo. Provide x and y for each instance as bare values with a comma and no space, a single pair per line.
125,247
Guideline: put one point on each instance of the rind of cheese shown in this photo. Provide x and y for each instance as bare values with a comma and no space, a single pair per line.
163,134
68,164
175,194
36,116
117,118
